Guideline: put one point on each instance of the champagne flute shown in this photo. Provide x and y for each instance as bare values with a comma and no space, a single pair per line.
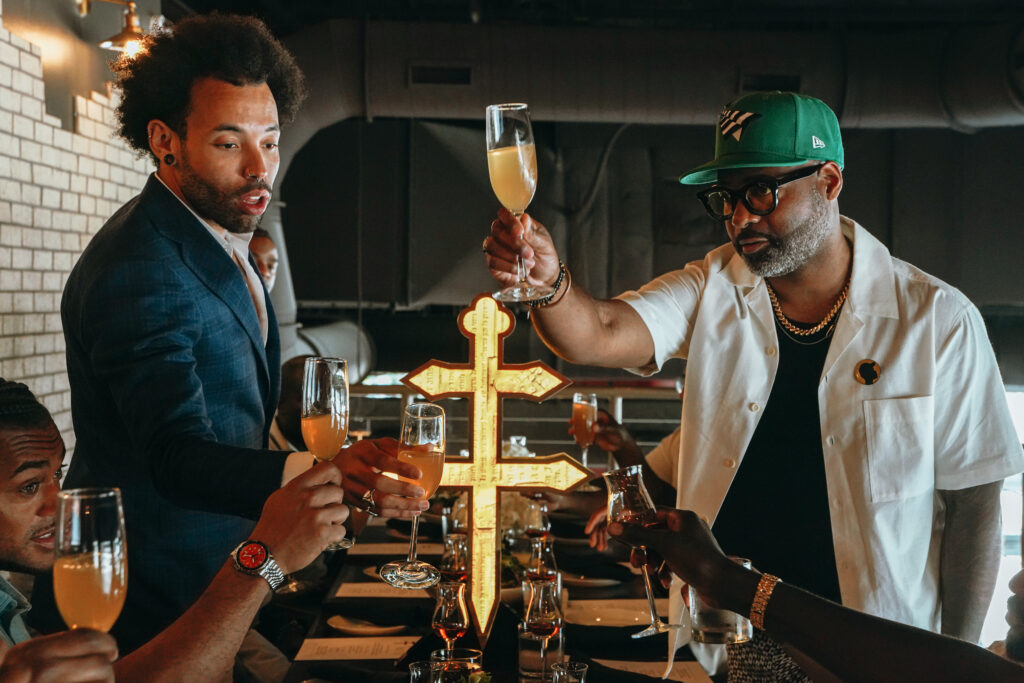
90,572
451,619
512,165
325,413
629,503
543,617
584,415
422,444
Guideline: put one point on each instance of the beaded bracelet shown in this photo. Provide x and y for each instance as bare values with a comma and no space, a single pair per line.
546,300
764,593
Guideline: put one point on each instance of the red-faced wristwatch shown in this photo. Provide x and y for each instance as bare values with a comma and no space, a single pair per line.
253,558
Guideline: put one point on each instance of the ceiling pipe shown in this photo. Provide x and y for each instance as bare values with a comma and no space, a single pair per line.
965,78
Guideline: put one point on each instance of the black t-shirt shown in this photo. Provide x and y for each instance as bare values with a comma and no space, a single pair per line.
776,512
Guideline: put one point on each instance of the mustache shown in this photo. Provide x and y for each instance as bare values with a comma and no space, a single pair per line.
749,233
43,528
258,185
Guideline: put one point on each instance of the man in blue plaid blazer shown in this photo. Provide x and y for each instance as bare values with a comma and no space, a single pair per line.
172,345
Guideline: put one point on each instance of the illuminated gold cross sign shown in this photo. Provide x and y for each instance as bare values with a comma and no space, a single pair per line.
486,323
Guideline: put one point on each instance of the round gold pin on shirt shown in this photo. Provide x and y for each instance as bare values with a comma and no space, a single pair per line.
867,371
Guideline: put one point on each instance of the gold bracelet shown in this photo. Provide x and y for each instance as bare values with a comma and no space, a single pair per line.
761,597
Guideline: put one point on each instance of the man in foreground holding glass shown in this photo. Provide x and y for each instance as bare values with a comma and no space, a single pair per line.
172,345
298,521
844,423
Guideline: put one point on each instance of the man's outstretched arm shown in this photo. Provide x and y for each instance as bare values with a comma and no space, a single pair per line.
579,328
297,523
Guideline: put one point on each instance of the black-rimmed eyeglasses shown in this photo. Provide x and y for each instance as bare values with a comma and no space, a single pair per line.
760,196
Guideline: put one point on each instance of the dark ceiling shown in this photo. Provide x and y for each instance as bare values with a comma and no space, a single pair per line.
288,16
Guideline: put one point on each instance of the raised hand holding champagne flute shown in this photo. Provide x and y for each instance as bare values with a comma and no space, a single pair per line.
512,165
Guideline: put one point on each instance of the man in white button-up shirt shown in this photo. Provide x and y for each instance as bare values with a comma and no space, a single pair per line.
835,396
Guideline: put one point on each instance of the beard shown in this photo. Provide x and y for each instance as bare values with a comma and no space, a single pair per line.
784,255
217,205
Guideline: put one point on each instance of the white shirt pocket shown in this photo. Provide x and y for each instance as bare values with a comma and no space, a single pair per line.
900,436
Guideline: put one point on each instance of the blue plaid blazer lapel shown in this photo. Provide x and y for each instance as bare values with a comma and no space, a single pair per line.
201,253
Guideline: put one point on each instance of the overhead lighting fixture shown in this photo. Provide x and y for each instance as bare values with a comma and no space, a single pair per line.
129,40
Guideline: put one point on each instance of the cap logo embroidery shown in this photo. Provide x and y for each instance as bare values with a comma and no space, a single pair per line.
817,143
735,122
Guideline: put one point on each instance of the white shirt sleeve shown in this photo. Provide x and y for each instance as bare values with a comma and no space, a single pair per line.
664,458
975,441
295,464
668,305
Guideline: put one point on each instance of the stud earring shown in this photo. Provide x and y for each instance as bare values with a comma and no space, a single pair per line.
169,159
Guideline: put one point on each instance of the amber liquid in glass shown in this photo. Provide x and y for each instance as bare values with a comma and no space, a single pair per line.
89,594
430,462
513,172
583,417
324,435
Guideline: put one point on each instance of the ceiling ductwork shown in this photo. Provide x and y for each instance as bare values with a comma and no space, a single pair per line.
963,78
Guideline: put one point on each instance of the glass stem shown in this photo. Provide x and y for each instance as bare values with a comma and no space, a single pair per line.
583,455
650,593
520,266
543,658
412,539
520,269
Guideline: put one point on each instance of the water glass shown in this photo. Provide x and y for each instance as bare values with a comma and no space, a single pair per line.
459,655
423,672
529,651
569,672
712,625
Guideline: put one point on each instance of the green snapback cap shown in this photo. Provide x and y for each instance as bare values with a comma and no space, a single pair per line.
771,129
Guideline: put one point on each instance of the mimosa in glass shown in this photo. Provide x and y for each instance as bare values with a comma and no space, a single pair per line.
512,165
421,443
90,573
584,415
325,409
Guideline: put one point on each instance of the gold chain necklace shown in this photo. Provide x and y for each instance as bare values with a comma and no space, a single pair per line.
790,327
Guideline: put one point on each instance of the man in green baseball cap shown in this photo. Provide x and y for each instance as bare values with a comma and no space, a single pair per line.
771,129
844,424
760,138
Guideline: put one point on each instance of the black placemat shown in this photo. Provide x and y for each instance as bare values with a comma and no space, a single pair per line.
613,642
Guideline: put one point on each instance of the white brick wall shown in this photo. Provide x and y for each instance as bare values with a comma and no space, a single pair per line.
56,189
